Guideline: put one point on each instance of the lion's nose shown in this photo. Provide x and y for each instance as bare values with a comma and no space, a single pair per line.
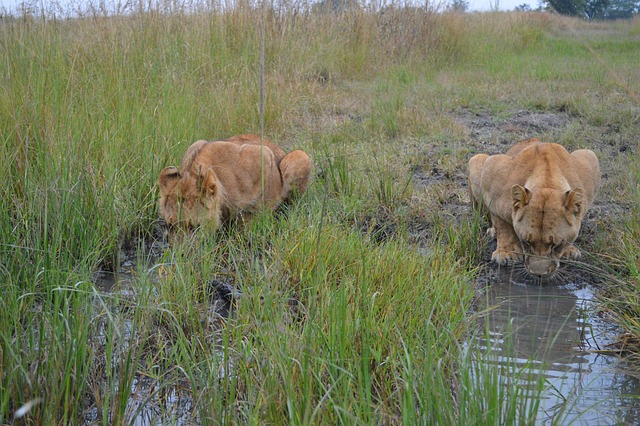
551,269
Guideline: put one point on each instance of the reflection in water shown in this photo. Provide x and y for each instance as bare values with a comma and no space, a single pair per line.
552,328
153,401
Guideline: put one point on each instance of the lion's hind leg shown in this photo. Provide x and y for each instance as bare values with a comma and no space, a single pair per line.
295,169
475,165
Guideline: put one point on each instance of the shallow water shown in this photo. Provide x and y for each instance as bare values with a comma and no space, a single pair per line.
554,329
152,402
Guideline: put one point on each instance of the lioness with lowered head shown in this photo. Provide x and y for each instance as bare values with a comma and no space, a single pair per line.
218,180
536,196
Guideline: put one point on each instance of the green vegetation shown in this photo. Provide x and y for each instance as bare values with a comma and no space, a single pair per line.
356,298
596,9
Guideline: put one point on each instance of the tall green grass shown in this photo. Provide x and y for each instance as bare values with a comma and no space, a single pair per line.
330,328
333,325
623,295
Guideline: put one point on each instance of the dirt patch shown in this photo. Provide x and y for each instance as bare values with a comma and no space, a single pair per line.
493,135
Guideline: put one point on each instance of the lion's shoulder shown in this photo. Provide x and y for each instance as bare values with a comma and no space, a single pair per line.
518,147
254,139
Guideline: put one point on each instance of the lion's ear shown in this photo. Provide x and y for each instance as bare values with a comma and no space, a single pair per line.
208,183
168,178
521,196
573,200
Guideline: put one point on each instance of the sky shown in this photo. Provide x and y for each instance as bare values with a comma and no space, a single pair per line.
474,5
483,5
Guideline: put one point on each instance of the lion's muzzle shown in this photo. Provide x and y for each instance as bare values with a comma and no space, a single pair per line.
541,266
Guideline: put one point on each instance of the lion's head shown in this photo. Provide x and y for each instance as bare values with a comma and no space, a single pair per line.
547,222
188,198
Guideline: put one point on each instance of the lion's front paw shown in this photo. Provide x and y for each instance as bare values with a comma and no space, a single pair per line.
505,257
572,252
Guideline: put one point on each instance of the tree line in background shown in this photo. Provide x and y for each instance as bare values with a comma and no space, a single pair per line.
596,9
589,9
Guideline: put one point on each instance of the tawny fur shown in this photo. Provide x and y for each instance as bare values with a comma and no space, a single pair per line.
536,196
220,179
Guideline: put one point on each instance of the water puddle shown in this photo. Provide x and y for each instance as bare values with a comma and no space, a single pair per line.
554,331
154,401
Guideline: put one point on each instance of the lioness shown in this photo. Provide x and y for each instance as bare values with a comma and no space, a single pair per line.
536,196
218,180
